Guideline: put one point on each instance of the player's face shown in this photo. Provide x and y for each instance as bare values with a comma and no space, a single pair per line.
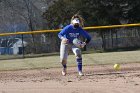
76,25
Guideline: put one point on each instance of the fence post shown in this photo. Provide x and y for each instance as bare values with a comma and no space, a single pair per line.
22,47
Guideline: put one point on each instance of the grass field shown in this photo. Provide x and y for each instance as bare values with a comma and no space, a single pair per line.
43,74
53,61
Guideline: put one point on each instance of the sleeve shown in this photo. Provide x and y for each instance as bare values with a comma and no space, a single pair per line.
63,32
86,36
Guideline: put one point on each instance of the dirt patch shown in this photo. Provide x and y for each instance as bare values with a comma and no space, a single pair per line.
97,79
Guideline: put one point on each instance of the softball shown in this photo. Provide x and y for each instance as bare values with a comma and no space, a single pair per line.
117,66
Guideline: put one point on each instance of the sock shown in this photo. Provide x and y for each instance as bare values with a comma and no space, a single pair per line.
64,66
79,63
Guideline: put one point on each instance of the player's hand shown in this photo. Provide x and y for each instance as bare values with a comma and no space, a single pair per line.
83,45
65,41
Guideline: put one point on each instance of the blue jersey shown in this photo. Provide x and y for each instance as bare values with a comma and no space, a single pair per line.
70,33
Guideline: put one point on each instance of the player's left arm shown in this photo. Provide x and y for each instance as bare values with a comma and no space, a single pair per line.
86,36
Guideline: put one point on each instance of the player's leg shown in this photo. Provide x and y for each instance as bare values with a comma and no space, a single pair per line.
63,57
78,54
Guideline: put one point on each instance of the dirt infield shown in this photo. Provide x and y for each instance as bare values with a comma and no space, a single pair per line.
97,79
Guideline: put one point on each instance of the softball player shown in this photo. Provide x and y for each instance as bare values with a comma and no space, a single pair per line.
67,35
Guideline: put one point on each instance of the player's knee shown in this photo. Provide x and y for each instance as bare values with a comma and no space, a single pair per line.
64,61
78,53
79,56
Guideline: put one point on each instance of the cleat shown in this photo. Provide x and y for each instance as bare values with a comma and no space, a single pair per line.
80,73
64,72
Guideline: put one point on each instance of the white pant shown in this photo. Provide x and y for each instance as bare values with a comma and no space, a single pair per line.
64,49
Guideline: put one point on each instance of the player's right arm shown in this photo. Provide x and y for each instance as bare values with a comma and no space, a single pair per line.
62,35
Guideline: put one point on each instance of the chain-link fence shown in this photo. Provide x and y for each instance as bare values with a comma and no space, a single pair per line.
43,43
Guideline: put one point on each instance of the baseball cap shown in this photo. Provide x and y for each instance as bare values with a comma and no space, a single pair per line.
74,21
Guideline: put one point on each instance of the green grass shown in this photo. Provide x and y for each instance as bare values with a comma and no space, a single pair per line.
53,60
